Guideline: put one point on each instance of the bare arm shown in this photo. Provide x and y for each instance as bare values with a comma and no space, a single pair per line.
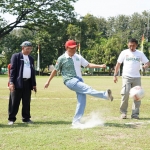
146,65
90,65
117,67
54,72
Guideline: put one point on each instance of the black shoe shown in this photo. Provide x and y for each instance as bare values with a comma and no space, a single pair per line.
29,122
135,117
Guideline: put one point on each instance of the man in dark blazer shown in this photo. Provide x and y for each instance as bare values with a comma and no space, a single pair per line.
22,81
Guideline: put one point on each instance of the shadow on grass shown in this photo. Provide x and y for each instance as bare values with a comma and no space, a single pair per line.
52,122
119,125
35,124
14,125
144,119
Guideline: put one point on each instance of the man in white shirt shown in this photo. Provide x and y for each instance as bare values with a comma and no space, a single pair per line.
69,65
131,59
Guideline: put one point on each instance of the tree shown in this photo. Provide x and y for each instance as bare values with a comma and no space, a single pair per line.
47,49
136,26
74,32
35,14
105,51
88,31
111,50
11,43
101,26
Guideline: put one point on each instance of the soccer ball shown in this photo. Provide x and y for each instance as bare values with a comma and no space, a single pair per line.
137,93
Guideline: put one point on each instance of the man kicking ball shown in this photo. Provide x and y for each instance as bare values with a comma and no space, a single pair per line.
69,64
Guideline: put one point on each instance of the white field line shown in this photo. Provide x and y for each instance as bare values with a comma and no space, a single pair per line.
137,123
47,98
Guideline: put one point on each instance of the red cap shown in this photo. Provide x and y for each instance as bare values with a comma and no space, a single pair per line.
70,44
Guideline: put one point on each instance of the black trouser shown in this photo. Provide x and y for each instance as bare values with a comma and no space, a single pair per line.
14,102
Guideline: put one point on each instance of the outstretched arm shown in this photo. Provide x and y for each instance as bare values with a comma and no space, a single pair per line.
90,65
117,67
54,72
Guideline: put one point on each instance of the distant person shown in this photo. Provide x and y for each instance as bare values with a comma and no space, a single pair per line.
69,64
131,59
22,81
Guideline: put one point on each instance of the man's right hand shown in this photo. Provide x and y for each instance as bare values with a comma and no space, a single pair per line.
115,79
46,85
11,87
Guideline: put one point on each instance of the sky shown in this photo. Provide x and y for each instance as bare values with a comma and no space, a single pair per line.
106,8
109,8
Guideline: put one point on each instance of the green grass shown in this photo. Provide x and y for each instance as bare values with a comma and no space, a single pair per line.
52,111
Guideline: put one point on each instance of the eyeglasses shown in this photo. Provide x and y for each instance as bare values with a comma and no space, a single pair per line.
28,48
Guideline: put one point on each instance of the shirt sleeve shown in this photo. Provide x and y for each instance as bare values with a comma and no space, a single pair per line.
58,64
121,57
84,62
13,68
144,58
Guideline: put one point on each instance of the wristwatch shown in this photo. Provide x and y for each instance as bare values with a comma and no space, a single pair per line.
11,83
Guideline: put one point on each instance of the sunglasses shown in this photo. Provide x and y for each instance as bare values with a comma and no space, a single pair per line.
27,44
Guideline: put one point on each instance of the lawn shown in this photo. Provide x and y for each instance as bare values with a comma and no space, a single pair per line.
52,111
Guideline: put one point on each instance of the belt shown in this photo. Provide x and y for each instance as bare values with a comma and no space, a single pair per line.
25,79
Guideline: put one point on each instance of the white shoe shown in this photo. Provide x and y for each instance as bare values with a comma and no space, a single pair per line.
77,125
109,93
10,123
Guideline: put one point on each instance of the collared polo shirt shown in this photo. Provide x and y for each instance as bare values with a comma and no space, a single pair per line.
70,67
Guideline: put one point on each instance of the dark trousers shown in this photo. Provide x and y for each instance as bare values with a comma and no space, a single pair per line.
14,102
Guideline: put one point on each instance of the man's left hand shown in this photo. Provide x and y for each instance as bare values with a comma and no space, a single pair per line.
145,66
34,89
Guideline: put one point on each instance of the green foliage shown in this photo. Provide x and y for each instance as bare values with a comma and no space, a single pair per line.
37,14
11,43
74,32
50,23
45,24
111,50
115,35
46,49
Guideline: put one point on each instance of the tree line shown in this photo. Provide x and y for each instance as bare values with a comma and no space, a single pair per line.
50,23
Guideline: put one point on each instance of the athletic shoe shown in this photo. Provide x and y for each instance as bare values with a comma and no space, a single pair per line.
110,97
10,123
77,125
123,116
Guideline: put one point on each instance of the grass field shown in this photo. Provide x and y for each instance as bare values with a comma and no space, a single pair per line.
52,111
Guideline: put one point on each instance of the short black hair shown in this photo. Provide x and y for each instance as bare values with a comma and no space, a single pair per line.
133,40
